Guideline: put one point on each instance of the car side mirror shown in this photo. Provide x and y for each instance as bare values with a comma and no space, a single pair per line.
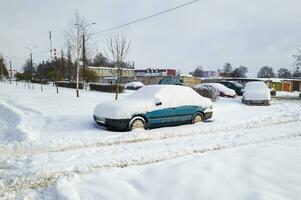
158,102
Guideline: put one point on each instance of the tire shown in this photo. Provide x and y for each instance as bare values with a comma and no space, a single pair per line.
137,123
197,117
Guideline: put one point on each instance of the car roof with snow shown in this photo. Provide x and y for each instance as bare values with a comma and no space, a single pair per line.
170,95
255,85
164,91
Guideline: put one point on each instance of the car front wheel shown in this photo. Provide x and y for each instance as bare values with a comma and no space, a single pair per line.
138,123
198,117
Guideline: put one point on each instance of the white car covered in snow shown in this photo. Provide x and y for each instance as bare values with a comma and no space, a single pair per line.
154,106
256,92
223,90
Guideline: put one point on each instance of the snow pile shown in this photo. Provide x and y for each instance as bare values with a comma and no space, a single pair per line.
251,172
145,99
134,84
220,87
256,90
287,94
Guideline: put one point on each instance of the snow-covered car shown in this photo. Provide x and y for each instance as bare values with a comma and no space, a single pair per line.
135,85
223,90
154,106
256,92
237,87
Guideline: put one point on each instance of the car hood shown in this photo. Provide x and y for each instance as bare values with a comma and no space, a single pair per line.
123,109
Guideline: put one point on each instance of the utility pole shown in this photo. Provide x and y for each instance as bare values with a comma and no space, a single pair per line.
84,61
50,41
2,68
56,69
42,66
77,63
84,48
31,64
11,72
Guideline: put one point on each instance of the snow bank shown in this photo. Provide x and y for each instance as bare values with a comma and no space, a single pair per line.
145,99
256,90
219,87
252,172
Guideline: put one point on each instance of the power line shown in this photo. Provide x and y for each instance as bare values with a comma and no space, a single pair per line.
145,18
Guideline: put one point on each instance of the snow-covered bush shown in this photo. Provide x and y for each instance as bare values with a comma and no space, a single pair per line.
208,91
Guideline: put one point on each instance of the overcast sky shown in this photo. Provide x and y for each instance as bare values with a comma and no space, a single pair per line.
209,33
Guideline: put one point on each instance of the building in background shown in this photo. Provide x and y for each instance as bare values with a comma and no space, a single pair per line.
155,72
107,75
111,72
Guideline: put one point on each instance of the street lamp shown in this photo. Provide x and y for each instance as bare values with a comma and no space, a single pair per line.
83,27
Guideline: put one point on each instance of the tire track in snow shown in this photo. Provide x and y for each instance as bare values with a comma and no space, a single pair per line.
9,132
168,150
143,136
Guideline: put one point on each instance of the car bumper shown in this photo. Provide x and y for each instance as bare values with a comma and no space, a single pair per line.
208,114
256,102
113,124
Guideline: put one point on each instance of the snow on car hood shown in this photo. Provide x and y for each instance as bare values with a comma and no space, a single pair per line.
144,100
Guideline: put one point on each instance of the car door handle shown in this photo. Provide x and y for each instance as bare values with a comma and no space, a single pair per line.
173,108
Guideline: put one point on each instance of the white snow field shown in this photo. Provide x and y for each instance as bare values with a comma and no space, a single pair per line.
50,148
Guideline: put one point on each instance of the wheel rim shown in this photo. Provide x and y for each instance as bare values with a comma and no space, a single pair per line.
137,124
197,118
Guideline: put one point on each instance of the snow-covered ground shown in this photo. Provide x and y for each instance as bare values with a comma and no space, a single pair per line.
51,148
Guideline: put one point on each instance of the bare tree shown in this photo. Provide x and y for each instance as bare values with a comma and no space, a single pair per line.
240,72
227,68
266,72
198,72
74,41
297,64
118,48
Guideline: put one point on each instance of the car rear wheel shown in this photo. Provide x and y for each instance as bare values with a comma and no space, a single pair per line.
138,123
198,117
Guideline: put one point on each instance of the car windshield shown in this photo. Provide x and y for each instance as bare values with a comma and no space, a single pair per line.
237,84
258,85
145,93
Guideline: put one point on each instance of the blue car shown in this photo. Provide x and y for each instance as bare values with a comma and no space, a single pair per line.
154,106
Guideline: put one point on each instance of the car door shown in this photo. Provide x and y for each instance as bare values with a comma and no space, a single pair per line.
184,114
161,117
